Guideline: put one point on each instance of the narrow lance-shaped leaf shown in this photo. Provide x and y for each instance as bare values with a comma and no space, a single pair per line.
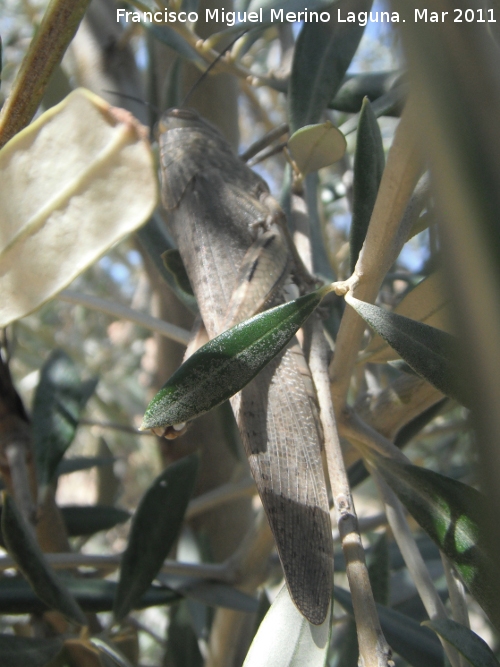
227,363
87,520
93,595
428,302
322,55
451,514
286,639
59,399
430,352
155,240
155,527
470,645
369,164
412,642
24,549
182,644
211,593
355,87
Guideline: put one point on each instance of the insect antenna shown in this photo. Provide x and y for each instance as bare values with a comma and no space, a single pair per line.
133,98
211,66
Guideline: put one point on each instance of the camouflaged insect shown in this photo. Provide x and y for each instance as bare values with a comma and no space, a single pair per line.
229,232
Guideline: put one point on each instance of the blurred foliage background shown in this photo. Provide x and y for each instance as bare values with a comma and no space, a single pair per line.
115,464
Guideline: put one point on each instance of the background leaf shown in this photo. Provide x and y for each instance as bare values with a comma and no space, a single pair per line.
182,643
322,55
369,161
23,548
412,642
76,181
59,400
155,527
470,645
89,519
93,595
451,513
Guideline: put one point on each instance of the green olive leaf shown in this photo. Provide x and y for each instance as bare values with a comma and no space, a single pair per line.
430,352
23,548
155,527
451,514
59,399
413,643
369,162
227,363
470,645
323,53
93,595
89,519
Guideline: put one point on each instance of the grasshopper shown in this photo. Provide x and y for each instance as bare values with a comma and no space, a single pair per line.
230,234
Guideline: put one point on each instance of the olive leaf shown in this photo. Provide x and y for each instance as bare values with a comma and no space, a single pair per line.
322,55
59,400
413,643
93,595
428,302
23,548
227,363
451,513
369,164
432,353
470,645
155,527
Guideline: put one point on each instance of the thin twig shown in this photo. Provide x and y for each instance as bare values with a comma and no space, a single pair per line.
123,312
221,495
356,430
110,562
124,428
382,245
365,524
264,141
144,628
373,647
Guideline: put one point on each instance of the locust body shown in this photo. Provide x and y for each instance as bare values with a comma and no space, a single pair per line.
227,229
